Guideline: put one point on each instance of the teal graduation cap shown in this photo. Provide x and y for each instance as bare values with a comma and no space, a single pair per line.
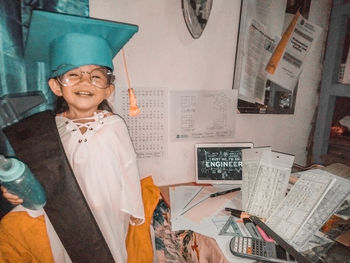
65,42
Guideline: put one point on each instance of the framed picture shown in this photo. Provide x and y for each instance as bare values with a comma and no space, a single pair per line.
196,14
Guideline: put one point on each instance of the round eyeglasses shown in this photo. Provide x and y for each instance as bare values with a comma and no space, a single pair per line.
99,77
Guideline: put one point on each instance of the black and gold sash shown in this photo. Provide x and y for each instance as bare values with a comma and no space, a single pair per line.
36,142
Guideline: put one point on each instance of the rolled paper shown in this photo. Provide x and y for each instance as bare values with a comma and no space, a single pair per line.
277,54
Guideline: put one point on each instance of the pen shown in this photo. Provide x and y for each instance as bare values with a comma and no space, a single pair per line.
211,196
238,213
234,212
225,192
200,189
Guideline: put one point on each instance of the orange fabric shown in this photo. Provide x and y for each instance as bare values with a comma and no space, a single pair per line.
24,239
276,57
138,240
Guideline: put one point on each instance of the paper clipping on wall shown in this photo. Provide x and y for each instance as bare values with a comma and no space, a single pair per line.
301,41
259,47
202,114
261,26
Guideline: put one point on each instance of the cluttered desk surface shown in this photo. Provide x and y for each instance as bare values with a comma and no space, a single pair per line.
211,221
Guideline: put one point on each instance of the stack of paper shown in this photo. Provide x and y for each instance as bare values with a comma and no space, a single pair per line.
265,180
192,209
192,206
309,204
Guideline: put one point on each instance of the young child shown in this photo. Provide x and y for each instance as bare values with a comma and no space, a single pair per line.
96,141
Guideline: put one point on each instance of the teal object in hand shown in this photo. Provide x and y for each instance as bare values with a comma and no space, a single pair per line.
17,178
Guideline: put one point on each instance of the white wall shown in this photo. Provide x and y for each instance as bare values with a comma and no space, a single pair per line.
163,54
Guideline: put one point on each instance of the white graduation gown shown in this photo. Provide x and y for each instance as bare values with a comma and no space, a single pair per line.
104,163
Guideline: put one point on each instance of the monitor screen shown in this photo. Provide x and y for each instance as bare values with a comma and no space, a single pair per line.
219,163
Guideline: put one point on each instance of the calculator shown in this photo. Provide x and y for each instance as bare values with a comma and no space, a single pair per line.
258,249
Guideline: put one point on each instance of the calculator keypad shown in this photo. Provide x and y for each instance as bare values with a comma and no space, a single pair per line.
256,247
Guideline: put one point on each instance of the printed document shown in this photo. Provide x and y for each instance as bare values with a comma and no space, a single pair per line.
299,45
311,201
260,30
202,114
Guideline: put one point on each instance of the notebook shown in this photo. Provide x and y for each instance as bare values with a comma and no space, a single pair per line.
219,163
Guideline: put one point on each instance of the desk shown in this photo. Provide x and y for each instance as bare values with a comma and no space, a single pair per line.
188,246
181,246
164,191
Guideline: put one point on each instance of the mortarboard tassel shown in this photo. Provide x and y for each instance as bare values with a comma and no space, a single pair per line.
134,109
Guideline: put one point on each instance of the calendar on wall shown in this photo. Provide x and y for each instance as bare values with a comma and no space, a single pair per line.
149,129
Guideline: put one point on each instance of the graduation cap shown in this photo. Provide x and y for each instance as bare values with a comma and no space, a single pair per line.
65,42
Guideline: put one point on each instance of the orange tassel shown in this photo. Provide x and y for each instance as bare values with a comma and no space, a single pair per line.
134,109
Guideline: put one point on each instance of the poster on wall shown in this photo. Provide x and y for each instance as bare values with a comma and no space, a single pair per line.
148,130
203,114
261,26
292,54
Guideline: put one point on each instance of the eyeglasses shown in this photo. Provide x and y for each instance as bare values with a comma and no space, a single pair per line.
99,77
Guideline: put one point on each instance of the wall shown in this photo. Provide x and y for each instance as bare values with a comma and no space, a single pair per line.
163,54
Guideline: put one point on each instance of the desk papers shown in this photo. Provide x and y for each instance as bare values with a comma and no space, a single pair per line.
309,204
265,175
296,215
208,217
190,205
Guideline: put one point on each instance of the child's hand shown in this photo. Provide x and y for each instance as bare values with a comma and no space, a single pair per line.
135,221
13,199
